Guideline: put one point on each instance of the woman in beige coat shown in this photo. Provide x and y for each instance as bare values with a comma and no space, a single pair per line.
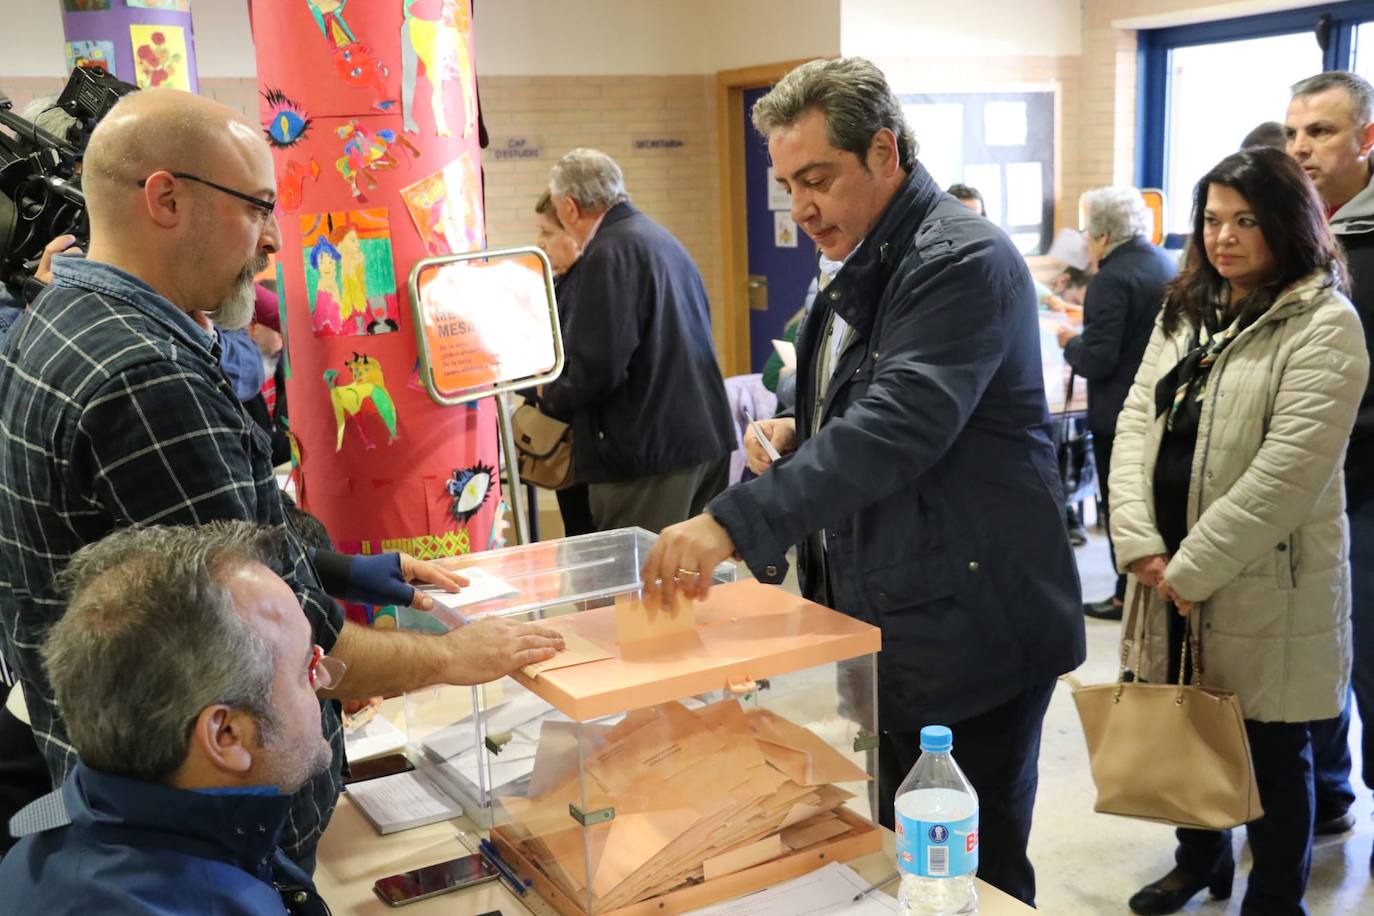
1227,500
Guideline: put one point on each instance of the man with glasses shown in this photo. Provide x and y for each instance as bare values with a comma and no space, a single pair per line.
114,412
176,805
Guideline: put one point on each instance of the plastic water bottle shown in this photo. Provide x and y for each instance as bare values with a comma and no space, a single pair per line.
937,833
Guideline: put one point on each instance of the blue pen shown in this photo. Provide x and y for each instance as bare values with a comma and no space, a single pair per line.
491,855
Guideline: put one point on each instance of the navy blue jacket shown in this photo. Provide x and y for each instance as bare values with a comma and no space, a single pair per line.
1119,310
933,474
133,847
641,387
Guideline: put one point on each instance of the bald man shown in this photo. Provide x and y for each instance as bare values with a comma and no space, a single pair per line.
114,412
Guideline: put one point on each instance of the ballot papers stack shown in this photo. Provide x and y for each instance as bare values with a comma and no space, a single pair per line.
697,794
475,741
695,765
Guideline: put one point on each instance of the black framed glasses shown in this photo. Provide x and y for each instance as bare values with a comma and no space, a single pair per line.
266,206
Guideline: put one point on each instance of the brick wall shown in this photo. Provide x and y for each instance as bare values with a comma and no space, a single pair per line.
677,187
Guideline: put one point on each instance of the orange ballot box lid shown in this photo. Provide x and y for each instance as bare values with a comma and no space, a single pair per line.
743,631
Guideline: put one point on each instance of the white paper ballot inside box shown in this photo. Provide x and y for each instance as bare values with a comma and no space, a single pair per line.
482,586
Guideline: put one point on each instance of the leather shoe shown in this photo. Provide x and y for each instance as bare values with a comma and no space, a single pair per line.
1333,825
1078,535
1106,609
1170,893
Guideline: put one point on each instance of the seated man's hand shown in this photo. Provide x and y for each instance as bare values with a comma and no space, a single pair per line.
685,556
782,433
493,647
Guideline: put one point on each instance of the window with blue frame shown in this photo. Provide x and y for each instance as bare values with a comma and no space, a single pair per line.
1204,87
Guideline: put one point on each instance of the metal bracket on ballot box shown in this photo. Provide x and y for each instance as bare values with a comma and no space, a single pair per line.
589,818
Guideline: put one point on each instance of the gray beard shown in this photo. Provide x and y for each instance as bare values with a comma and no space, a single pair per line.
237,309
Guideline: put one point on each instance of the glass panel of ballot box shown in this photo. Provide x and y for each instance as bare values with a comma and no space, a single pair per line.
679,753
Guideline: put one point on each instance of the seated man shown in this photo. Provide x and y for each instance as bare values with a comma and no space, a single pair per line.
186,768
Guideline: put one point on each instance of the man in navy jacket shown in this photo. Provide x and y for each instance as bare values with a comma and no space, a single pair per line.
187,676
652,432
918,475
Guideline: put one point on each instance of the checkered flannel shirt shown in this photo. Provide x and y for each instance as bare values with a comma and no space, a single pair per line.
114,412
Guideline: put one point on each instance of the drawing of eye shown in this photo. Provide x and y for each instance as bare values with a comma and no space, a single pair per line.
287,123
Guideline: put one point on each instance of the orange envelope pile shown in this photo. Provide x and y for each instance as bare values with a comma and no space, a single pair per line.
697,794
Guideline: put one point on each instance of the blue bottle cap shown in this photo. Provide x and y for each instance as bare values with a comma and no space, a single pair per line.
936,739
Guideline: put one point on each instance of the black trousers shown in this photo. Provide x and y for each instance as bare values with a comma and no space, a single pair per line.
1281,840
1102,455
999,752
24,773
575,507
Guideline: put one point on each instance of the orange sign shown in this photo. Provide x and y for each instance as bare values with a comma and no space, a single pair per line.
1154,199
486,323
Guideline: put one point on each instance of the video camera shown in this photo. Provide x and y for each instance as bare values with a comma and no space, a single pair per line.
40,185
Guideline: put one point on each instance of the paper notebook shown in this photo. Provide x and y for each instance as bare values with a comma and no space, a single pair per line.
402,801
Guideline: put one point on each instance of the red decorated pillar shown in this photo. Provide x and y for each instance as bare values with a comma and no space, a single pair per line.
370,108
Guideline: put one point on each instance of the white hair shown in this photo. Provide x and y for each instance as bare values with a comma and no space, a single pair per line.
589,177
1118,213
44,113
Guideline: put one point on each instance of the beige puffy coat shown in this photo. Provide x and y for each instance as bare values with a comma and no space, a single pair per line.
1266,550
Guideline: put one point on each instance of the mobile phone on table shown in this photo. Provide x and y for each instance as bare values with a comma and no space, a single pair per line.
387,765
433,880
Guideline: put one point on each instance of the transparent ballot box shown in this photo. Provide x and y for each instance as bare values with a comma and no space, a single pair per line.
672,769
471,742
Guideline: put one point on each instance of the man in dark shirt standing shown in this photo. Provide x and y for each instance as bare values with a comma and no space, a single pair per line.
114,412
1330,132
917,476
652,433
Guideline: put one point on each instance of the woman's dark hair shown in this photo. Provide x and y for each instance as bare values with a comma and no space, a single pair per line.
1291,219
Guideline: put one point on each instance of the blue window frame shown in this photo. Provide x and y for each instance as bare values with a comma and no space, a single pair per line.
1340,22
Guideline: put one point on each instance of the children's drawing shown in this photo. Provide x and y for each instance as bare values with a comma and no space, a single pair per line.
349,278
160,56
291,183
85,6
469,489
365,152
287,123
178,6
281,319
367,386
442,45
446,208
91,54
354,62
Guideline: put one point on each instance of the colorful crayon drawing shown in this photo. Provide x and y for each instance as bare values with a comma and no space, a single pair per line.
468,489
160,56
366,386
349,277
365,152
85,6
91,54
176,6
442,45
287,122
446,208
291,184
354,61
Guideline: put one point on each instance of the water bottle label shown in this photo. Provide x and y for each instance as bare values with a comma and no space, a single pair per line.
937,849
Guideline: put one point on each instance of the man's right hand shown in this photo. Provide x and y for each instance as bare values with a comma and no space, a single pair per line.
493,647
781,432
59,245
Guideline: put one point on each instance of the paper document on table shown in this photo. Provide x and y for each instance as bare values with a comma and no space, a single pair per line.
402,801
578,650
822,892
482,586
373,738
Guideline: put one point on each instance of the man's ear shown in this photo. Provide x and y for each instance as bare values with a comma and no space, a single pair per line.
568,213
227,738
883,157
1367,141
160,199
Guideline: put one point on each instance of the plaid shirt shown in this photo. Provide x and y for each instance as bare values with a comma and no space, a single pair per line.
114,412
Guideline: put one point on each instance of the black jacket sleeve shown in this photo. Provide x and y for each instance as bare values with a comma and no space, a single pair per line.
1096,353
